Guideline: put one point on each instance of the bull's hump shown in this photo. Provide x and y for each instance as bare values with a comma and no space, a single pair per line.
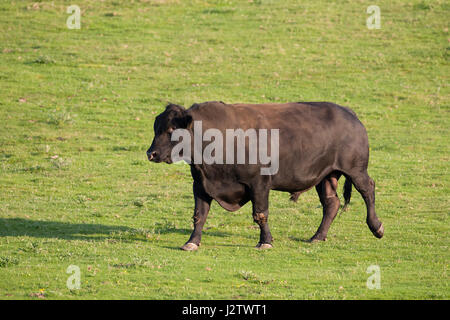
207,104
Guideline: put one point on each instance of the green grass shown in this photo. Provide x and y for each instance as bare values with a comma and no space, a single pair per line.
77,109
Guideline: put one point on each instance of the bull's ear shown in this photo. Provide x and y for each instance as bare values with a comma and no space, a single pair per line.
175,107
183,122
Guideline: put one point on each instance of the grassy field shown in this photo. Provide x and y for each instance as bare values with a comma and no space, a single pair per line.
77,109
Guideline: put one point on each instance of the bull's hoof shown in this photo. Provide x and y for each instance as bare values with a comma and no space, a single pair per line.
317,239
189,247
379,233
263,246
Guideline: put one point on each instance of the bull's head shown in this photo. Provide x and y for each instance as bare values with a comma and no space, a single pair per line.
174,117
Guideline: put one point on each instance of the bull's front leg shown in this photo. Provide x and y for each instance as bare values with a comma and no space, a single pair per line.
260,202
202,205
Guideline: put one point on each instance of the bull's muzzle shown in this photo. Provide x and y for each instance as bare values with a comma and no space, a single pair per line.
151,155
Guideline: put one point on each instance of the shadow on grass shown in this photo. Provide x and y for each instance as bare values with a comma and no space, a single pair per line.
17,227
304,240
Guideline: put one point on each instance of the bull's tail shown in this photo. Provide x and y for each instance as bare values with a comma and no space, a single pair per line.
347,192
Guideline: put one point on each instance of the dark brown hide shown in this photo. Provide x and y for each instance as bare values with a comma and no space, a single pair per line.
318,143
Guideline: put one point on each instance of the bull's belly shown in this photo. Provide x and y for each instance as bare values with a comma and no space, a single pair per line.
300,180
230,195
295,186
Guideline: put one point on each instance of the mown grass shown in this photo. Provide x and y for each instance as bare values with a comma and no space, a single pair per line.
77,108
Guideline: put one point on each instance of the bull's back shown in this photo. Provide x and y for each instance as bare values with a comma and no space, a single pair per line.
270,114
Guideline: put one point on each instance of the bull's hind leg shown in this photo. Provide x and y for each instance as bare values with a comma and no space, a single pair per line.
366,186
326,190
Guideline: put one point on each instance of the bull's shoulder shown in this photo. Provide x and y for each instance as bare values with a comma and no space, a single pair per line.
211,111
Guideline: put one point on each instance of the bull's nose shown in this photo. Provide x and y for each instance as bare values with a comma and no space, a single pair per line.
151,155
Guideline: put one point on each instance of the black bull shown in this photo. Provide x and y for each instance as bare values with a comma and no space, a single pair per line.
318,143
